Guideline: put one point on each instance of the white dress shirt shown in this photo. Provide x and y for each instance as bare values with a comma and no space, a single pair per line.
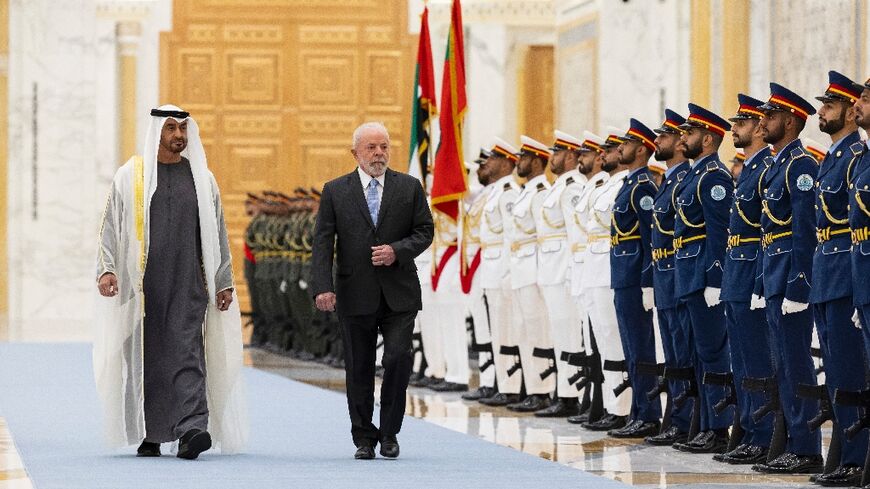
365,178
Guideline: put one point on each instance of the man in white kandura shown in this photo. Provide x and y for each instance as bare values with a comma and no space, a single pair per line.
168,348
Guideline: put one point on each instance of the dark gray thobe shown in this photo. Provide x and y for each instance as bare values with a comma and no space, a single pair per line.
175,302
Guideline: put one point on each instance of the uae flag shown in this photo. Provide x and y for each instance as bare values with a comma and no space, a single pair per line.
448,179
424,108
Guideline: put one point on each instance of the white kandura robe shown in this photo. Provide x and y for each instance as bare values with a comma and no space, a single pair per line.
118,345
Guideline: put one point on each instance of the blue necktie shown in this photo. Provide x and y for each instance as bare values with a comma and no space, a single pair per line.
372,200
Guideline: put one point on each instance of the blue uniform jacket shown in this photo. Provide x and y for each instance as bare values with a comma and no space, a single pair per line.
703,198
832,268
742,258
663,239
631,254
859,221
788,224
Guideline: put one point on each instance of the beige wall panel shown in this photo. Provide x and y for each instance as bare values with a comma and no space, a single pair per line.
277,87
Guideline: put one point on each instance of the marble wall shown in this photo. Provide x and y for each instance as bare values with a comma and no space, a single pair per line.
63,135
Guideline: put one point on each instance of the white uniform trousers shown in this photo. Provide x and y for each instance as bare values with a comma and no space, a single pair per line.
599,303
565,329
450,309
477,308
530,318
430,333
503,332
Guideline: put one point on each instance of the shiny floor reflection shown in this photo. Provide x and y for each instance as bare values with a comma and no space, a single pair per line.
629,461
12,473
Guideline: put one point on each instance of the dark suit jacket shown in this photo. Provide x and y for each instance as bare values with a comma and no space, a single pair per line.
343,221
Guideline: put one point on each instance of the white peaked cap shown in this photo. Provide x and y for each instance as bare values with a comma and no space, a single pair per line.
810,143
565,137
503,148
593,138
537,146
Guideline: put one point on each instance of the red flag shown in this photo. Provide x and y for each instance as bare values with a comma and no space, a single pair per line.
449,180
424,108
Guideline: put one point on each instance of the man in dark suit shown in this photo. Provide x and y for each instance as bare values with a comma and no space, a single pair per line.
379,221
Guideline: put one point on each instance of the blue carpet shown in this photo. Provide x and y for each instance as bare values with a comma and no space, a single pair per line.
299,438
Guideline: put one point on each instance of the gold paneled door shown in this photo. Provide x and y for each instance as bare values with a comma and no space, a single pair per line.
277,87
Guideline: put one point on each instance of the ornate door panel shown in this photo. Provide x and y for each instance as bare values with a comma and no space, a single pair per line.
277,87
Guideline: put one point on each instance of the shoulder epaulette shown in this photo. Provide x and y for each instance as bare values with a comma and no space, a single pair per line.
569,180
540,187
798,152
681,175
857,148
642,178
712,166
599,183
768,160
507,186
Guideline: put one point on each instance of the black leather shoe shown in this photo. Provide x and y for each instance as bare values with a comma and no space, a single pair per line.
449,387
580,418
193,443
720,457
668,437
637,429
148,449
481,393
704,442
389,447
745,455
606,423
561,408
533,403
426,381
365,452
790,463
843,476
500,399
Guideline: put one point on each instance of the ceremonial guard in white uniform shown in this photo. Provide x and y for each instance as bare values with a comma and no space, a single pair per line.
530,311
597,294
470,279
495,232
554,263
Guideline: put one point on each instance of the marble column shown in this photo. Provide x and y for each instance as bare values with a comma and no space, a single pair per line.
129,33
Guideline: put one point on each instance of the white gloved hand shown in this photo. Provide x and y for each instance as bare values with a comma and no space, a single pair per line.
648,298
856,319
711,295
789,307
757,302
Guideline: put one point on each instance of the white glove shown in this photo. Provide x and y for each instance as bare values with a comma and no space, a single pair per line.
711,295
757,302
648,299
856,319
789,307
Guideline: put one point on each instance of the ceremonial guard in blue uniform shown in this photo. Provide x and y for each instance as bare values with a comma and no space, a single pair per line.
702,200
858,180
672,316
631,277
831,294
788,241
748,332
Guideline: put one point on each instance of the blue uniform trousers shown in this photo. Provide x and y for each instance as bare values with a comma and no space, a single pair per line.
749,338
638,345
790,340
712,355
843,352
674,330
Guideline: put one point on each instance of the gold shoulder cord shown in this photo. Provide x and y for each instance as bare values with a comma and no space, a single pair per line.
737,202
849,169
551,223
613,217
766,209
860,202
656,219
828,212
